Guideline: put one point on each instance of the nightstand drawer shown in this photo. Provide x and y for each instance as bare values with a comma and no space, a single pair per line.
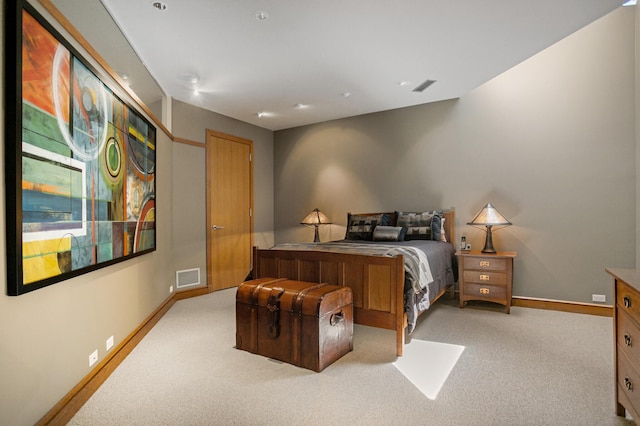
485,263
482,291
485,277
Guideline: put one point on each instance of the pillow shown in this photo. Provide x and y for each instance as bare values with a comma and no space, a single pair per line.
437,226
443,236
389,233
360,227
421,225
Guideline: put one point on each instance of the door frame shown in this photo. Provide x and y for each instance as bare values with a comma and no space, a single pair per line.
208,150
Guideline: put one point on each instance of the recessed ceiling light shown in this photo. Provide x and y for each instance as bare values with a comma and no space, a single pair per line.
260,15
629,3
125,78
189,77
300,106
261,114
159,5
346,94
403,83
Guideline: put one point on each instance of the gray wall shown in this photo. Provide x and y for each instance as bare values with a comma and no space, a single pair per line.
189,209
189,202
46,336
637,113
551,143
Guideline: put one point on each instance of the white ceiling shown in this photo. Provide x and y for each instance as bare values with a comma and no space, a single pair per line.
312,53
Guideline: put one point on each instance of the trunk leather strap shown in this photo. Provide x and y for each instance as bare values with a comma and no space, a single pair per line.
253,337
256,290
296,319
296,306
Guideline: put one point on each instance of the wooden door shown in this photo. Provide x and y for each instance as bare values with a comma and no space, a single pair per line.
229,209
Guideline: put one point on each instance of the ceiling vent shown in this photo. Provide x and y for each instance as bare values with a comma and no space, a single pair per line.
424,85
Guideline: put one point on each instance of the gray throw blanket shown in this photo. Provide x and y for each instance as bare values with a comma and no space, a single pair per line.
416,264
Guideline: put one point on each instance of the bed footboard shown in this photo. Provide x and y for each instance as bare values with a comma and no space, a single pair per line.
377,282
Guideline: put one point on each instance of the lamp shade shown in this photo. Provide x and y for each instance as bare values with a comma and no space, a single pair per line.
489,217
316,217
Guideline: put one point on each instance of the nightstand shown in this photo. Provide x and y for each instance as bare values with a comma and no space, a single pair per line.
484,276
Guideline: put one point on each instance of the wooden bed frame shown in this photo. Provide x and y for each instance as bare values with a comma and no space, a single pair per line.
377,282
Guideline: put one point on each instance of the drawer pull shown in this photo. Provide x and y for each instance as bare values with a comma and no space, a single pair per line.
484,277
627,302
485,263
627,340
628,384
484,290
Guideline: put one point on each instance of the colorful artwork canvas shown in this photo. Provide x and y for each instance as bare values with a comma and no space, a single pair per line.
82,168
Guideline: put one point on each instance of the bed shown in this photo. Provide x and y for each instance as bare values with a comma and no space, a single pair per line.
389,279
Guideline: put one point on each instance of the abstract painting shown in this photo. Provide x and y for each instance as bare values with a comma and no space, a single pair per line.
80,163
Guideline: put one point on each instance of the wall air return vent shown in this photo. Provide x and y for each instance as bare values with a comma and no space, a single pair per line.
187,277
424,85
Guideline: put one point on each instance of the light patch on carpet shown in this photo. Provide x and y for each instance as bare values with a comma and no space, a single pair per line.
428,364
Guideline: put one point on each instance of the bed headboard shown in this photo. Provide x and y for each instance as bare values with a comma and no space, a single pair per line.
449,223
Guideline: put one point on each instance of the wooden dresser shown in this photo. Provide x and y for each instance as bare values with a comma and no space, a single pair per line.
626,331
488,277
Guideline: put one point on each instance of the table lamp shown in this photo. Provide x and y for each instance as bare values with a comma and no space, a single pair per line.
316,219
489,217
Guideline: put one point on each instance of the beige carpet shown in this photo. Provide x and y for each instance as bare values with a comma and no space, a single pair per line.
531,367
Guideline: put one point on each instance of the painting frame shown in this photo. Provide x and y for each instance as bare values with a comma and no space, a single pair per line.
80,162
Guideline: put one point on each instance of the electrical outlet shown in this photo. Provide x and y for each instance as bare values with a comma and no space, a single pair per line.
93,358
109,342
598,298
170,289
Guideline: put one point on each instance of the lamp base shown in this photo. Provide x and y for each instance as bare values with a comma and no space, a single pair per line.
488,242
316,238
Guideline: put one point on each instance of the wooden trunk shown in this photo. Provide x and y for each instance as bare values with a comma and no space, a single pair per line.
305,324
377,282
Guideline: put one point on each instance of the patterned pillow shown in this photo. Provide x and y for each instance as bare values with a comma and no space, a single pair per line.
360,227
389,233
437,226
421,225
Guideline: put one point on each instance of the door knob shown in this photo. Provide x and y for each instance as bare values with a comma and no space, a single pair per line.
216,227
